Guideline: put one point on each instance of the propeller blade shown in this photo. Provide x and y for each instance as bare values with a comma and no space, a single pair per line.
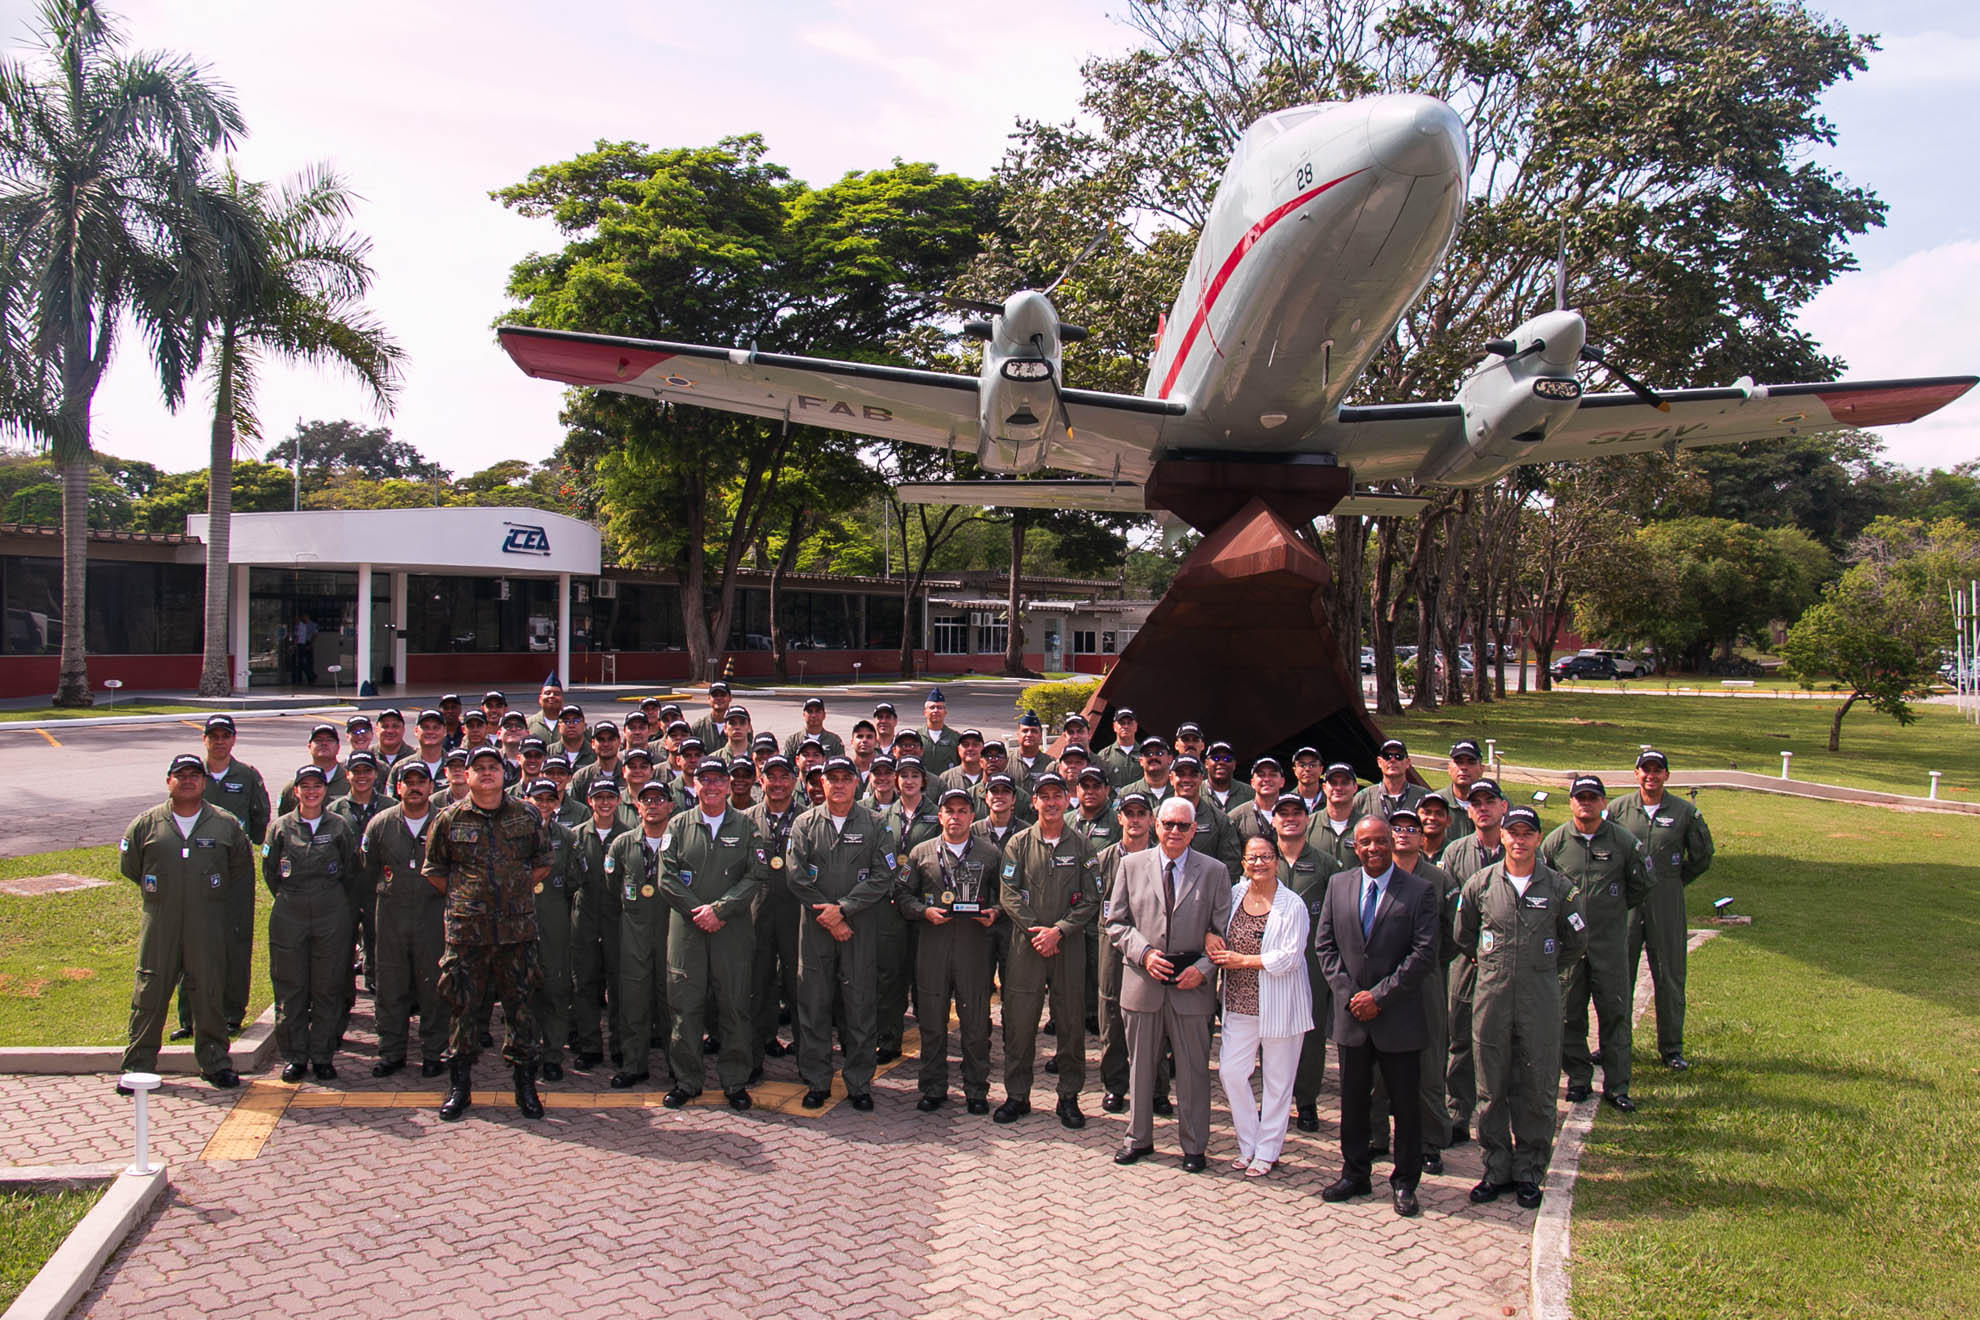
1560,271
1058,395
1078,261
1071,334
961,304
1590,353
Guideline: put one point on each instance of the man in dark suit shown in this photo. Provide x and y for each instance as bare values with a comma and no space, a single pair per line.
1377,941
1168,911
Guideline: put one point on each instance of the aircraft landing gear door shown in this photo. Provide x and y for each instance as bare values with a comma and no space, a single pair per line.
1054,651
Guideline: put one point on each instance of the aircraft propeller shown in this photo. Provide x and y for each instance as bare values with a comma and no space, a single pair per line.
983,329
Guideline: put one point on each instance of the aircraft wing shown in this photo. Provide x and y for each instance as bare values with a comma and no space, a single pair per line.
1113,434
1101,496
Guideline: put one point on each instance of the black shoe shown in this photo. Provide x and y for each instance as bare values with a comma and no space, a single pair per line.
1487,1191
1375,1151
1012,1110
1528,1196
863,1102
553,1071
432,1067
294,1071
676,1097
1113,1102
226,1079
181,1033
1460,1133
887,1055
487,1040
233,1028
1131,1154
1576,1093
1676,1062
978,1106
711,1044
1163,1107
325,1072
1344,1189
928,1104
815,1099
1405,1201
738,1099
775,1049
1433,1161
1621,1100
386,1067
1069,1115
527,1100
1052,1065
1194,1164
624,1080
124,1090
587,1060
460,1091
1309,1118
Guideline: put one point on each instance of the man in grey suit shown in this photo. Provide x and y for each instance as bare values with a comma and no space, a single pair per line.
1168,912
1377,941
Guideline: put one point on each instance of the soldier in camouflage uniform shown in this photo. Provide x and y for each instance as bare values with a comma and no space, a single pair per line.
487,854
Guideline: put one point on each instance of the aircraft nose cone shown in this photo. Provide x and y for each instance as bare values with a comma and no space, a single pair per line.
1417,135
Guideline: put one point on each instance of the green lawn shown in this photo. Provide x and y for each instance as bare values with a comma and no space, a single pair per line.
66,959
32,1226
1571,730
1822,1157
49,714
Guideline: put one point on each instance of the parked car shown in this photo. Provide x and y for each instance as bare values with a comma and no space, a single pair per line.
1627,665
1367,659
1586,666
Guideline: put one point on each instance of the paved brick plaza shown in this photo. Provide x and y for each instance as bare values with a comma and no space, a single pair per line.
361,1205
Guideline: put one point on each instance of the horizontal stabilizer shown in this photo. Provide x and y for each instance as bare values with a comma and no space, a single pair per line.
1381,506
1102,496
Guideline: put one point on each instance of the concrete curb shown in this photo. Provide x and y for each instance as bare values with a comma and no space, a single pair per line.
76,1263
1547,1282
248,1053
1758,783
196,716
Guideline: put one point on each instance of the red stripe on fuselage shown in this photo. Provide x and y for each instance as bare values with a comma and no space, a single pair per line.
1225,271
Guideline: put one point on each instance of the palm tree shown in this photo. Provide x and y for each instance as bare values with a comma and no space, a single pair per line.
295,294
101,216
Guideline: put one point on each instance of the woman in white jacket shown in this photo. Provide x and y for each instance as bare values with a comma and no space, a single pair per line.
1268,1005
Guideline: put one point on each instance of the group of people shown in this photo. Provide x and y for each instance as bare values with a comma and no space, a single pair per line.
661,892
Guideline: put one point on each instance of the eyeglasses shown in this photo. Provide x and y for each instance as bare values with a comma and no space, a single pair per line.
1405,829
1394,756
1222,756
1178,824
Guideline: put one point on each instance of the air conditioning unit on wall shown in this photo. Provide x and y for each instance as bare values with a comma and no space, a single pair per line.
608,588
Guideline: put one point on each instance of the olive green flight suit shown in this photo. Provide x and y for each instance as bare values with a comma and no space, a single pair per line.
556,930
1047,884
314,876
1122,769
239,790
1518,944
1215,835
1101,833
1000,934
595,942
1679,847
952,960
1611,880
774,975
363,901
1374,800
1463,858
336,786
855,867
894,956
186,884
726,868
833,744
938,752
1436,1053
1339,846
1252,821
632,866
1307,876
411,936
1113,1028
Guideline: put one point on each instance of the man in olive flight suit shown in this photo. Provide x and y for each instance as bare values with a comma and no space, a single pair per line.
950,888
1678,845
410,933
186,857
235,787
595,928
1518,922
555,919
1464,858
774,975
311,865
632,866
894,961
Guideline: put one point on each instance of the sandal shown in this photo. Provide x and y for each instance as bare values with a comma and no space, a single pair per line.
1258,1169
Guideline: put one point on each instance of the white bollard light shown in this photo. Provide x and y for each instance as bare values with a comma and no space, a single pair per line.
1933,796
141,1083
1785,758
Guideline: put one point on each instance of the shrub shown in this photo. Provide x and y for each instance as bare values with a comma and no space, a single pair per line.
1055,701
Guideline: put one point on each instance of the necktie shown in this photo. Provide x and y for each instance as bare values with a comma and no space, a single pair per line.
1368,911
1170,869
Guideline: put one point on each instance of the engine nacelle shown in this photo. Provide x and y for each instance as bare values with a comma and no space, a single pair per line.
1017,394
1512,402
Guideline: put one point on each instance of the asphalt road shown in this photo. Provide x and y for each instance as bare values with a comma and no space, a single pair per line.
78,787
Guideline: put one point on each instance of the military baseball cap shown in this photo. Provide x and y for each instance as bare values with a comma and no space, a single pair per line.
1305,752
310,771
1001,781
1189,730
884,707
1135,800
907,763
458,756
1405,813
1483,786
1187,765
430,714
718,686
811,742
187,761
841,763
950,794
653,786
1073,721
1466,747
451,697
1392,745
1219,750
514,717
676,723
494,698
356,722
866,724
407,769
473,716
742,768
1153,743
782,762
691,743
1094,773
1435,797
539,787
1587,784
1526,816
1290,802
534,744
1075,750
1272,761
638,754
762,740
635,715
881,762
737,715
391,713
485,753
970,733
571,713
996,744
1339,768
360,761
604,727
713,768
669,706
1030,720
814,703
557,762
1050,779
1126,713
908,735
320,730
1651,756
225,722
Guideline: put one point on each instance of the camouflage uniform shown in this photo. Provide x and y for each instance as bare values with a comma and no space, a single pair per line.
488,860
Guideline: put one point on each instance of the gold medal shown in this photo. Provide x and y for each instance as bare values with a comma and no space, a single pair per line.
539,889
948,897
777,862
646,891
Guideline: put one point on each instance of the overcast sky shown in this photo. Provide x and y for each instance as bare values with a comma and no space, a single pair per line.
425,107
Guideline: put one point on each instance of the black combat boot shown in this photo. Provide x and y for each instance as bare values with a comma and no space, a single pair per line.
460,1089
526,1098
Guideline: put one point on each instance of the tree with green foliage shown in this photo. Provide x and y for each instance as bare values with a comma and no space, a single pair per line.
719,245
103,220
1880,629
257,488
291,288
369,451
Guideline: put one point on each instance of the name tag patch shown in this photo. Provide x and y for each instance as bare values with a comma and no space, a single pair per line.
1538,901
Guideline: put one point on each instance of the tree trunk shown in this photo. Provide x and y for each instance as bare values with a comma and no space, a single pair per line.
214,678
1345,597
931,540
1835,725
1014,665
72,686
1382,620
780,644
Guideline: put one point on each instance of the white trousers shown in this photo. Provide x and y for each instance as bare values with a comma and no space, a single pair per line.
1261,1132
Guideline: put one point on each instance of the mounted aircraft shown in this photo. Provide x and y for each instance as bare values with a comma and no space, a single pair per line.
1328,224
